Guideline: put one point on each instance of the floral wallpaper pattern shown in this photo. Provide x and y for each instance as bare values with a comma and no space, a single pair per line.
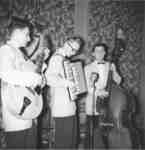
59,16
104,16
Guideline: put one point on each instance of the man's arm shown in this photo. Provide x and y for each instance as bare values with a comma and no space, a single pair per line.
54,75
9,74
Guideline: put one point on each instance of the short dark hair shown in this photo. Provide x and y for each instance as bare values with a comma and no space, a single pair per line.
18,23
100,45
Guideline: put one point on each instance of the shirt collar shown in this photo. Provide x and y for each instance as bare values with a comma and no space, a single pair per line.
99,62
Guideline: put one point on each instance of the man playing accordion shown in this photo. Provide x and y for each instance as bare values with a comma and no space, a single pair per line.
63,109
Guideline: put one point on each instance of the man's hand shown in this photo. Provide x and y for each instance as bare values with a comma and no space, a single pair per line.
44,81
46,52
70,84
101,93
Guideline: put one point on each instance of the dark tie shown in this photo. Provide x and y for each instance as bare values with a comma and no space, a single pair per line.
102,62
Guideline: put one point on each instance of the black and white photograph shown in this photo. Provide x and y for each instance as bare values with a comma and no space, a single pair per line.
72,74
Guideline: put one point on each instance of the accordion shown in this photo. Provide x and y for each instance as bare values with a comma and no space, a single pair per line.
73,71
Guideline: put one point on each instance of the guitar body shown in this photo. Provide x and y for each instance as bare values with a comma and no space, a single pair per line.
25,103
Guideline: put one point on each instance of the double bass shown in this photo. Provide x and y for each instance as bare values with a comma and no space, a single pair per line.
115,120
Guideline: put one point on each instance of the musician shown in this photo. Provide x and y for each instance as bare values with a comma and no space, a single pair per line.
62,108
97,76
15,72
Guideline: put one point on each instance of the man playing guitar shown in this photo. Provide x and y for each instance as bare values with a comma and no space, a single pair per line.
20,103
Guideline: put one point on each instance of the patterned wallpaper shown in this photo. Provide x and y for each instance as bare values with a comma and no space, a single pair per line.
55,15
59,16
104,17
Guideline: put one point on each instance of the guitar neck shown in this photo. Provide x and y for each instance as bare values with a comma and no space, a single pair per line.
39,62
30,90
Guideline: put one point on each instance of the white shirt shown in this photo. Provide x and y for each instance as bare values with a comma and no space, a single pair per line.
13,72
61,105
102,70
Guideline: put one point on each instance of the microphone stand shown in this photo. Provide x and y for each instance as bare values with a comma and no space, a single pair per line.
93,117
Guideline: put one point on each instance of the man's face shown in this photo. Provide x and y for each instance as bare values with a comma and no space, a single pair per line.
22,36
99,53
71,48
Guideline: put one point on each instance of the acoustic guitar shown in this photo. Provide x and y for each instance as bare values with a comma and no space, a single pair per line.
25,103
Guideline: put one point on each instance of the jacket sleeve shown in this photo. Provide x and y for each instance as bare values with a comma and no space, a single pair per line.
54,75
9,74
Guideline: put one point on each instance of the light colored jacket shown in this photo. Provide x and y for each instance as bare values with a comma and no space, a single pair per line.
14,70
102,70
61,105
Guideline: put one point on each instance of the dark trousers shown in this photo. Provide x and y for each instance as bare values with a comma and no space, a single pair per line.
94,138
66,132
21,139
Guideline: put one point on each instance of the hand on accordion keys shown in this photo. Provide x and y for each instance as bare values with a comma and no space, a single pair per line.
70,84
75,79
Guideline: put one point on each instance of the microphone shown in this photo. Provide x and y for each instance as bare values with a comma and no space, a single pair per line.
93,78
